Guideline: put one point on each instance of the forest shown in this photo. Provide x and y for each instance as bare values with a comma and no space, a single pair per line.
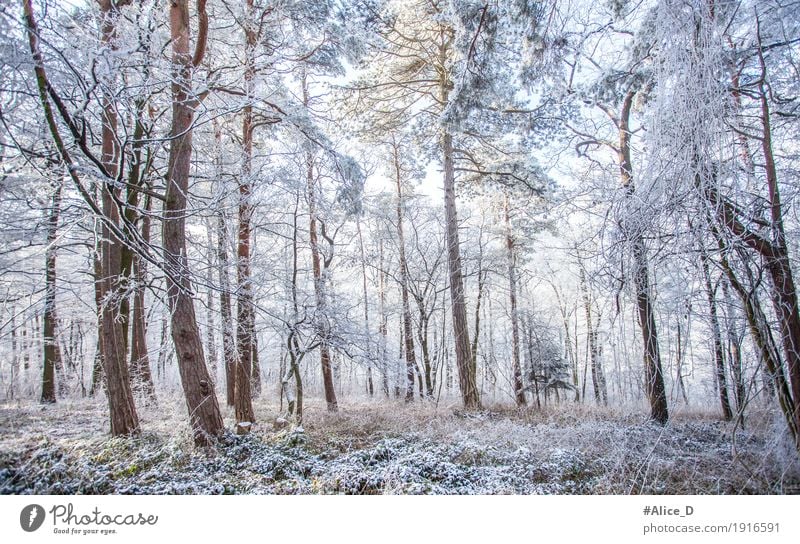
399,246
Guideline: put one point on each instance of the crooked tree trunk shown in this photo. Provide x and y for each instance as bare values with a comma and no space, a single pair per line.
319,291
198,387
319,278
654,375
759,330
52,353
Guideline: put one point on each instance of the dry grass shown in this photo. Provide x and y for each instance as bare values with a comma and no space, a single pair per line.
391,447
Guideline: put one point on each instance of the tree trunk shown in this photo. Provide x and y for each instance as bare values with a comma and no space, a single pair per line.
411,361
367,339
719,356
679,363
654,376
14,385
319,291
229,351
464,362
198,388
319,278
140,360
383,327
211,325
759,330
52,353
516,365
598,376
245,316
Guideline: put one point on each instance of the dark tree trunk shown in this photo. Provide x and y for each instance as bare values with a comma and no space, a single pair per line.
367,339
319,290
52,353
719,356
516,365
229,351
245,316
201,400
140,360
319,279
598,376
464,362
383,327
411,361
654,375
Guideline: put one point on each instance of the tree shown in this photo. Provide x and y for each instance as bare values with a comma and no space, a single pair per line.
52,353
204,413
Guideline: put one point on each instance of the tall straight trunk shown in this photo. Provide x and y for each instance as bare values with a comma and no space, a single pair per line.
97,275
516,365
319,278
679,363
477,320
408,336
464,362
13,388
654,375
383,327
140,359
735,363
598,376
370,386
422,336
229,351
719,356
245,316
211,325
201,400
52,353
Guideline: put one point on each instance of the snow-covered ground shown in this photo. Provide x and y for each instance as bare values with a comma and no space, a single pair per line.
393,448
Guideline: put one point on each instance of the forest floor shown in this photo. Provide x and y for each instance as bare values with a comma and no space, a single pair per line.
376,448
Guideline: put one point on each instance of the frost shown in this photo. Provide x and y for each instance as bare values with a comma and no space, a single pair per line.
367,450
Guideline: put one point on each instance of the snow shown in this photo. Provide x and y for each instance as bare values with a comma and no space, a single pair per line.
396,450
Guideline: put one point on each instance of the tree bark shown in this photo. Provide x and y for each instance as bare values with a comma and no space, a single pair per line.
52,353
383,327
201,401
516,365
654,376
408,335
466,369
719,356
367,339
140,359
245,315
596,365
